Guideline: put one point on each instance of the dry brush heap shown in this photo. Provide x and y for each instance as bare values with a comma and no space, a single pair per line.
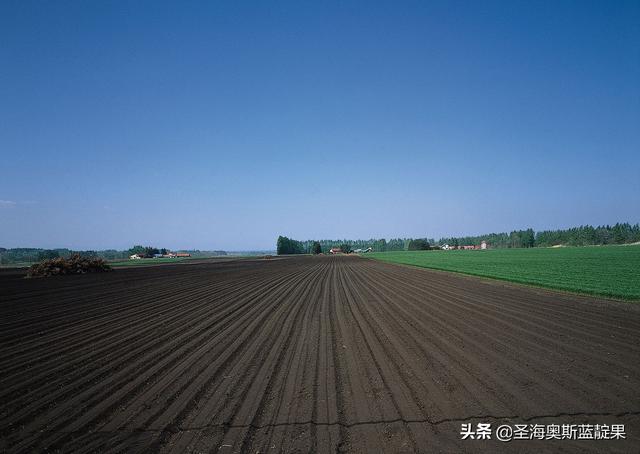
75,264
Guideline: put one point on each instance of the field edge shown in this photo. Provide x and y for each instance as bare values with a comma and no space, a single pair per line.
520,283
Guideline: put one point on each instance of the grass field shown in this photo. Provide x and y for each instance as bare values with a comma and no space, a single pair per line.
612,271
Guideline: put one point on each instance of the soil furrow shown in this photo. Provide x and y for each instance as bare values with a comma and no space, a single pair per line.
307,354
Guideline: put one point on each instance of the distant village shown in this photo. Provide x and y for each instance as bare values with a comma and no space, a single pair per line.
483,245
445,247
168,255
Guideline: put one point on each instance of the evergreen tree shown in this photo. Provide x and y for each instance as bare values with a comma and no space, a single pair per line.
419,245
345,247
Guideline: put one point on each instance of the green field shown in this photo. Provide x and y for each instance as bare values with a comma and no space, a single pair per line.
612,271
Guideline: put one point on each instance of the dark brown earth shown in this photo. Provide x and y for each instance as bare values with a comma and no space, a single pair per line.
308,354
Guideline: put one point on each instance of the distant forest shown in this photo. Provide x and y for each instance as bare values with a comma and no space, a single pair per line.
586,235
289,246
31,255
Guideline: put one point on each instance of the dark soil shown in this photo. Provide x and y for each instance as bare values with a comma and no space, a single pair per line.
306,354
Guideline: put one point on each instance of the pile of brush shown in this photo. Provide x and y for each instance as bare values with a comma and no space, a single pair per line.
75,264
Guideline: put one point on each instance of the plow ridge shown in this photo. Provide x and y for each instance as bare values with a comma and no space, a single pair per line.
306,354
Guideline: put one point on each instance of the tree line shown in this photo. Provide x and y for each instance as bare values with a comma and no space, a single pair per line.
290,246
31,255
620,233
586,235
514,239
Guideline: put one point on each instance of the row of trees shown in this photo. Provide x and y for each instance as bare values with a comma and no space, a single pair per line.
289,246
147,251
620,233
32,255
515,239
586,235
377,245
150,251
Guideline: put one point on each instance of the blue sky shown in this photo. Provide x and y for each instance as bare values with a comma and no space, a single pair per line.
218,125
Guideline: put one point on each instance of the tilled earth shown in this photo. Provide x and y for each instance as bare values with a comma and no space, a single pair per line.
307,354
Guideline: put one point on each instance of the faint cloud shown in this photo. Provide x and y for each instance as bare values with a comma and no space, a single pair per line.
14,203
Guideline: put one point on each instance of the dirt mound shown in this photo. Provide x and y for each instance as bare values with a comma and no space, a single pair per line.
75,264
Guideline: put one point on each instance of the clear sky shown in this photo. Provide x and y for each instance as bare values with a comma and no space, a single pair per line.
220,125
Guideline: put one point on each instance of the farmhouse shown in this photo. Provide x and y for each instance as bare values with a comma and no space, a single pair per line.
483,245
335,250
182,254
135,257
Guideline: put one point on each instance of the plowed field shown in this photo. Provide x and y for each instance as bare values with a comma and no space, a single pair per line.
308,354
